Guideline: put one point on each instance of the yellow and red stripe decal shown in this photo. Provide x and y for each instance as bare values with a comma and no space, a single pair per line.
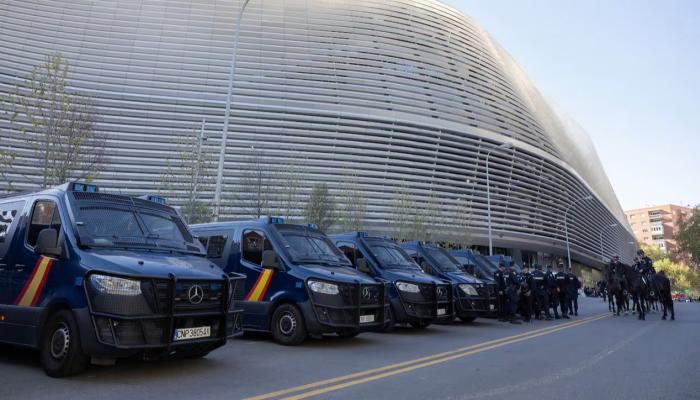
260,287
35,284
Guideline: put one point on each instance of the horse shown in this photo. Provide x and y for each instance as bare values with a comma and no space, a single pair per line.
638,287
652,301
663,285
614,284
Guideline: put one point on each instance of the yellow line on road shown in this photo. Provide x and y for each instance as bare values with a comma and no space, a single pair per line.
421,362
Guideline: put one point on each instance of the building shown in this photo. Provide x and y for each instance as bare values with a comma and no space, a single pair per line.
405,100
658,225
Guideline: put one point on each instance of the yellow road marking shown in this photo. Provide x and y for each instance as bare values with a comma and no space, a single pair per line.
495,342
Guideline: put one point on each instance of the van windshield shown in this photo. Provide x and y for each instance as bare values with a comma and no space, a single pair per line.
310,247
116,226
390,255
444,262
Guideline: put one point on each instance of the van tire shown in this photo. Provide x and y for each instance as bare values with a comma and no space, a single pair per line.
288,325
60,352
391,325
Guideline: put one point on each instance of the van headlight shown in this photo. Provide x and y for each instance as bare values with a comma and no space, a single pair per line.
407,287
117,286
468,290
323,287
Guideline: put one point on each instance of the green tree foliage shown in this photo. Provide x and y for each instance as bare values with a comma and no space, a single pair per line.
679,274
461,219
7,160
320,208
688,237
354,205
56,125
653,252
189,173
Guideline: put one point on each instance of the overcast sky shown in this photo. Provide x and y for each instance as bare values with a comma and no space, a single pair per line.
627,71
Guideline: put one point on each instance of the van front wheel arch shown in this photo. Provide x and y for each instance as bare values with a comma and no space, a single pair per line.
60,349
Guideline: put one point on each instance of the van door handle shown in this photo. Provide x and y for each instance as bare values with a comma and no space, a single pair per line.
19,267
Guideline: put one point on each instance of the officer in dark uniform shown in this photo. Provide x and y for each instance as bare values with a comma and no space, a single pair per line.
539,292
573,285
644,263
501,287
563,290
552,291
512,292
525,286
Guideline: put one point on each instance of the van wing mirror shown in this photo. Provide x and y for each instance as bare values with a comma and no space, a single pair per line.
362,265
47,243
270,260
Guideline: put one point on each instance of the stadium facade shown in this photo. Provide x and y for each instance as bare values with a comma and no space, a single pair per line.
403,98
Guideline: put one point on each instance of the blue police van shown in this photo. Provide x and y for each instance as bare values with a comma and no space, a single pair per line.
479,266
298,283
415,297
471,296
89,276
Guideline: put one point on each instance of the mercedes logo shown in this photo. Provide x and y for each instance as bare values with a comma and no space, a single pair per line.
365,293
195,294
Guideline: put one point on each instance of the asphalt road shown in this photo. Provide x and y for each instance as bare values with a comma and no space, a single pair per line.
594,356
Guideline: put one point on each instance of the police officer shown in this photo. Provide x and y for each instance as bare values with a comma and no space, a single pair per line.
552,291
501,286
512,292
573,285
526,288
562,290
644,263
539,292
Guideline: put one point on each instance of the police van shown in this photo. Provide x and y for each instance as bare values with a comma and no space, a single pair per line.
415,297
470,293
89,276
480,267
298,283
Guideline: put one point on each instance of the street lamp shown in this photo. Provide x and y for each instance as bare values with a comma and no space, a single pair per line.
502,146
224,134
566,226
602,255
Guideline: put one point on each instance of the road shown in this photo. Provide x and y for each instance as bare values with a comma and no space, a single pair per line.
594,356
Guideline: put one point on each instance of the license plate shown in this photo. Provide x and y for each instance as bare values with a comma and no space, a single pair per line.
365,319
442,311
192,333
492,307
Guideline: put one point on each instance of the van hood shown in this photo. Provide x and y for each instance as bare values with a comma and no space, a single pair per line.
153,264
417,276
461,277
340,274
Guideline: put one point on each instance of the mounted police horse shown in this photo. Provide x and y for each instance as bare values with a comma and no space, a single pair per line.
615,281
663,285
638,287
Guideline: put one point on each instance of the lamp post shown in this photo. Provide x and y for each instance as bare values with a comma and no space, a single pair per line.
224,134
502,146
566,225
602,255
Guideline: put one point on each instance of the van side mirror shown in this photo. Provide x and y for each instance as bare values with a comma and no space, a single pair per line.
362,265
270,260
47,243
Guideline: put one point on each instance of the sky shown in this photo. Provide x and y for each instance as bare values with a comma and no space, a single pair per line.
627,71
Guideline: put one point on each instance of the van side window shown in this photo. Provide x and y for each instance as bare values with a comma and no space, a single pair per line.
44,215
349,250
9,216
253,244
216,246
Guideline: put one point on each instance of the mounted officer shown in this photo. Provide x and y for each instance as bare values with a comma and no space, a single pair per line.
563,289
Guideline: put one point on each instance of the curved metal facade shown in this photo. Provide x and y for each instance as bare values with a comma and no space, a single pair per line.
402,94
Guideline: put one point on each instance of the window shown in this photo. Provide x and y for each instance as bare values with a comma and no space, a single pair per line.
253,244
9,216
214,245
349,250
44,215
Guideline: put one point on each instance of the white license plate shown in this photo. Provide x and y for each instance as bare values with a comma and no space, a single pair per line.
192,333
365,319
492,307
442,311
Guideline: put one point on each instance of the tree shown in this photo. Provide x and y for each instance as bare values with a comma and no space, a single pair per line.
188,174
354,205
679,274
289,189
688,237
402,216
57,126
7,159
653,252
257,190
320,209
461,218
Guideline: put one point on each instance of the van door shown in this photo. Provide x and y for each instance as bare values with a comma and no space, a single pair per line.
261,283
355,256
10,214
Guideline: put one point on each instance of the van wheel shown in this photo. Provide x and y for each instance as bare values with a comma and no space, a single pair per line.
348,333
467,319
288,325
60,352
420,324
391,324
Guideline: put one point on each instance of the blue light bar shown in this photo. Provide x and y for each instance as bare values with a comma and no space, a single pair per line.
314,226
83,187
362,234
154,199
276,220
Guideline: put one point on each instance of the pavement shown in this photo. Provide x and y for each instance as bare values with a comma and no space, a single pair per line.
592,356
